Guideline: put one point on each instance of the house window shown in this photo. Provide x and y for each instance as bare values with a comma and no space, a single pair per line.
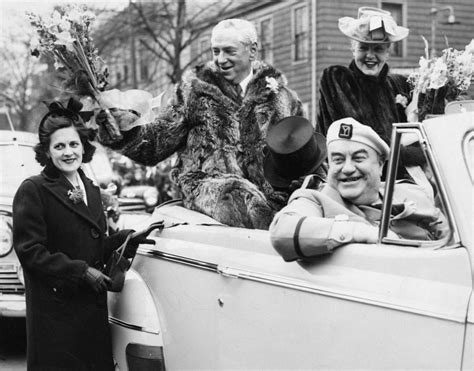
125,74
144,73
397,14
204,51
300,33
119,79
266,37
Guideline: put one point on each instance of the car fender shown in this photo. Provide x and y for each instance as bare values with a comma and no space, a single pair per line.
135,324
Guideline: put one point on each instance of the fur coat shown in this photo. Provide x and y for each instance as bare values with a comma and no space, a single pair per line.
219,138
347,92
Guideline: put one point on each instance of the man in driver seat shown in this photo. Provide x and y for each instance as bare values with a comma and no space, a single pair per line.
348,208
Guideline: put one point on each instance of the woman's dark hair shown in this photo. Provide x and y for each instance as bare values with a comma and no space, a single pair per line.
60,117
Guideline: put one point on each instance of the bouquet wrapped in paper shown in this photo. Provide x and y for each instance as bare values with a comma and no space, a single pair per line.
65,39
441,79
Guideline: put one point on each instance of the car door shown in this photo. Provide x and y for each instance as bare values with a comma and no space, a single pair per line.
226,300
398,304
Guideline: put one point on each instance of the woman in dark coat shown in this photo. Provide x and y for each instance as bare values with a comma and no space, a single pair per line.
59,236
365,90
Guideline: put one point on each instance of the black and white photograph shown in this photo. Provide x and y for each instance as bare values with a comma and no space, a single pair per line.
236,185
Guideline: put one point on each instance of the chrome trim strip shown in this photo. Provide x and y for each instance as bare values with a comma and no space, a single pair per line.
281,281
127,325
179,259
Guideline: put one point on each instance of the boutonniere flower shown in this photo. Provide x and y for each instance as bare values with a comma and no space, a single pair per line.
272,84
402,100
76,195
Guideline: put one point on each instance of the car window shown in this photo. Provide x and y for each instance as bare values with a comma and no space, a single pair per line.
418,211
20,161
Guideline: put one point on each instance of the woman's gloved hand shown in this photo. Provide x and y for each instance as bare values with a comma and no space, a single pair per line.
140,237
97,280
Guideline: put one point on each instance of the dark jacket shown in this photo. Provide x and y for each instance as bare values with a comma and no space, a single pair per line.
371,100
56,240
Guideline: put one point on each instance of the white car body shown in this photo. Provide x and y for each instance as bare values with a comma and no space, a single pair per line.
208,296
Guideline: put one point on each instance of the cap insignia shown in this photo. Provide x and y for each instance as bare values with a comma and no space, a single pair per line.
345,131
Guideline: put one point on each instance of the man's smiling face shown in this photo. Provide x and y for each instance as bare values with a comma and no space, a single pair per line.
354,171
231,56
370,58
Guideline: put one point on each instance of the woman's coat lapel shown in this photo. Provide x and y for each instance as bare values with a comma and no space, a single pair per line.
58,186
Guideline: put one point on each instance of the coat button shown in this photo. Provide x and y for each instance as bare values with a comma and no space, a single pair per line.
94,233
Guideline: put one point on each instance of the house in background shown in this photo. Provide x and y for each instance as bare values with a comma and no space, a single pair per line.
301,38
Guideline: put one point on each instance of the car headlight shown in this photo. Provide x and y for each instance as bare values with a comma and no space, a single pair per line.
6,235
150,196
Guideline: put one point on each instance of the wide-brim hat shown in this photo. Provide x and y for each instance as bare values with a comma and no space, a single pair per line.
294,150
373,26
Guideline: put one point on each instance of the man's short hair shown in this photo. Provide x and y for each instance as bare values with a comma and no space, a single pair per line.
246,30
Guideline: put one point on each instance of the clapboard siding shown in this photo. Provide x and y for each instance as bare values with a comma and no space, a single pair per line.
332,47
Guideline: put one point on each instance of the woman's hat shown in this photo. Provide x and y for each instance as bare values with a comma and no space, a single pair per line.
294,149
373,26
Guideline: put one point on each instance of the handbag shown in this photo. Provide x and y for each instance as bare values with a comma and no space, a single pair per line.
116,267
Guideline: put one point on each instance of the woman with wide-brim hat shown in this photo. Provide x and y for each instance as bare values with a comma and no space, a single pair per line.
365,90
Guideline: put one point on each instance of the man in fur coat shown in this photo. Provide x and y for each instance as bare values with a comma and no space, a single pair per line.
217,121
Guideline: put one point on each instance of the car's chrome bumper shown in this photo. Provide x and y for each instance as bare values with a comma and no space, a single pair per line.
12,305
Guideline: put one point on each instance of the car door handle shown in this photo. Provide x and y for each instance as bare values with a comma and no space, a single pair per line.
228,271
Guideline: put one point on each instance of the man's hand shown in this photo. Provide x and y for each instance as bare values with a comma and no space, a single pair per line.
97,280
122,118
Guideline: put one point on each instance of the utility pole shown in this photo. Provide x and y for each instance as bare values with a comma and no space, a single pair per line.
132,46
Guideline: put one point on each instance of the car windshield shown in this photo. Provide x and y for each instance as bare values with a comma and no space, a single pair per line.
18,162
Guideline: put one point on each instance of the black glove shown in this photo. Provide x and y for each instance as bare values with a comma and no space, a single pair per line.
140,237
97,280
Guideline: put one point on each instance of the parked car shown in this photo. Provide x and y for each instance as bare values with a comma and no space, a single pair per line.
209,296
138,198
17,160
17,163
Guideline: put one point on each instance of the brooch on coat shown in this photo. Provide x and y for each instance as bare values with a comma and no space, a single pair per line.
76,195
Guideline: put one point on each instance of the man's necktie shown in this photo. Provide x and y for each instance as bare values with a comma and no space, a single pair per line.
238,92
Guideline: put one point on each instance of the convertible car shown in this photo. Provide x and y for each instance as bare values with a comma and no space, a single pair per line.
210,296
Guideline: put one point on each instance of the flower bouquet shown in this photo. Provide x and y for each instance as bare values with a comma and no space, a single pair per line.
65,38
441,79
